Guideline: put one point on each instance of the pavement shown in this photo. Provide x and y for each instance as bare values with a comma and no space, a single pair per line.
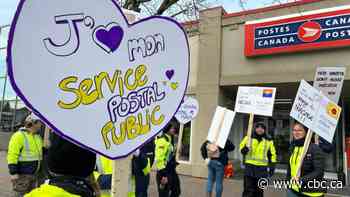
191,186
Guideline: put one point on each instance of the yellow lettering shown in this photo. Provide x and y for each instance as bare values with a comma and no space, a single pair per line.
132,127
153,118
63,85
110,82
139,73
145,128
128,73
121,137
107,128
84,87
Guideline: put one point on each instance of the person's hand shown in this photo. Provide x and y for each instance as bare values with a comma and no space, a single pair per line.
207,160
14,177
295,180
245,150
164,180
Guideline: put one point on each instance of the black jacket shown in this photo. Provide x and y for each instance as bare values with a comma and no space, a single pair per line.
312,167
223,158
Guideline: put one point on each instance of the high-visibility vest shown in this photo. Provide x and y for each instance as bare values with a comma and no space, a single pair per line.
164,151
294,160
257,154
49,191
104,166
23,147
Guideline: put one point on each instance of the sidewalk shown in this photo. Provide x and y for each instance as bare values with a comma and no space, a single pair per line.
191,186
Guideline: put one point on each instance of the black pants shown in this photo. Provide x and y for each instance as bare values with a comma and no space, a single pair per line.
251,188
172,189
141,185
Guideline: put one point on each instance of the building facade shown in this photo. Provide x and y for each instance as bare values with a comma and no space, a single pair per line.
219,64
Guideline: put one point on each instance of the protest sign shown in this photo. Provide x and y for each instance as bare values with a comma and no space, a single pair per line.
329,80
188,110
255,100
94,78
221,126
315,111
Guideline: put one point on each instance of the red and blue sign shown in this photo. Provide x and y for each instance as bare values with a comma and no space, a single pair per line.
326,29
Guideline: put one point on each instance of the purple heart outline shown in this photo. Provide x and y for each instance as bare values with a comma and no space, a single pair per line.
108,37
170,73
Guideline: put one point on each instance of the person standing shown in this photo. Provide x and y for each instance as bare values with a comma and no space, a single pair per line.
217,159
259,160
141,168
103,175
312,168
168,181
25,155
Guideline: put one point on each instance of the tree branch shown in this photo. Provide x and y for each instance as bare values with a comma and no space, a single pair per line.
165,5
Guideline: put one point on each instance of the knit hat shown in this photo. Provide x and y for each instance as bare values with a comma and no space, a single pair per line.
260,124
66,158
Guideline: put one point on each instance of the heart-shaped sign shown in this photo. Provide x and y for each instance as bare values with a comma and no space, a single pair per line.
93,77
188,110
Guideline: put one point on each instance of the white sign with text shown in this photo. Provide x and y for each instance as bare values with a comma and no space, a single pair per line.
329,80
256,100
315,111
188,110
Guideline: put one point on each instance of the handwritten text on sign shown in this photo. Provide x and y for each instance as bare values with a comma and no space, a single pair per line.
105,84
329,80
315,111
256,100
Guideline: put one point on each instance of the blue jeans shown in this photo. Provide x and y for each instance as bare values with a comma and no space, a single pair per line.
215,175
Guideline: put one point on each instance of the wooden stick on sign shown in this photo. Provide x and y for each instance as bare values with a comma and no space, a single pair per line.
250,129
179,142
305,149
121,176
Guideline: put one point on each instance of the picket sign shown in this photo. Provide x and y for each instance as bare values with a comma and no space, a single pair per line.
220,126
311,107
329,80
255,100
186,113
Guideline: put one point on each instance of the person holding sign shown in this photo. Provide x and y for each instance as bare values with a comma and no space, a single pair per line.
217,159
168,181
312,168
24,156
260,160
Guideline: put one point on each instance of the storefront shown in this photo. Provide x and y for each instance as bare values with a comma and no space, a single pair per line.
220,63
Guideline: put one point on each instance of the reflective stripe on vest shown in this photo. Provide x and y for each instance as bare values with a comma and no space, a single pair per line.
293,162
25,154
256,157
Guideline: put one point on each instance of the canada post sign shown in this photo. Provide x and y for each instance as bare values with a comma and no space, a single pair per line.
306,31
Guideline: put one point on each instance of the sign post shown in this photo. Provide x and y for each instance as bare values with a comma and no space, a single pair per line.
186,113
317,112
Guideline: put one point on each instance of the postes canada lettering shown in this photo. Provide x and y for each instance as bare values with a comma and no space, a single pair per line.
134,114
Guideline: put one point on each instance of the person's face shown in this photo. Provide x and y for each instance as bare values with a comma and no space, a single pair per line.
36,126
259,130
172,131
298,132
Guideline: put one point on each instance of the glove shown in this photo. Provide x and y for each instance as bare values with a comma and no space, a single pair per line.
271,171
245,150
207,160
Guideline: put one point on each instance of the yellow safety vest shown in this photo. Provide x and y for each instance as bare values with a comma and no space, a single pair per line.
49,191
163,151
294,160
24,147
257,154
